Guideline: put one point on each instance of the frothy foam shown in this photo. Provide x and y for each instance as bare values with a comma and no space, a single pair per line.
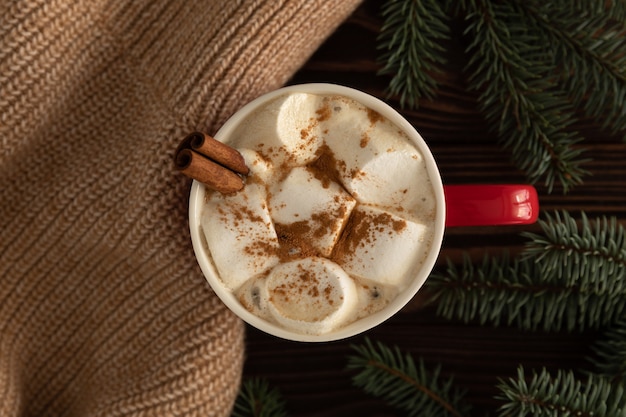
335,218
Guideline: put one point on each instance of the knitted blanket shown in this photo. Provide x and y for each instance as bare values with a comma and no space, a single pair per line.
103,309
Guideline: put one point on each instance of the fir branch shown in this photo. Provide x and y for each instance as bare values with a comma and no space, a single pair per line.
502,292
257,399
535,64
588,48
611,10
592,256
566,279
409,39
387,373
610,353
561,395
530,114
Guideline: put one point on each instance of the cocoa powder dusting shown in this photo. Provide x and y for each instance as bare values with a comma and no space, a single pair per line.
294,241
324,112
352,233
326,167
374,116
327,221
261,248
364,140
247,213
359,231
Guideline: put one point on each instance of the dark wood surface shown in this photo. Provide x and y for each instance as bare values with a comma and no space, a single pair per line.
312,377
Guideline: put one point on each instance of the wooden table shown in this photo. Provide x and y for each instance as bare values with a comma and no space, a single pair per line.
312,377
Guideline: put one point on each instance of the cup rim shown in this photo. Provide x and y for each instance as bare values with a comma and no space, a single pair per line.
359,326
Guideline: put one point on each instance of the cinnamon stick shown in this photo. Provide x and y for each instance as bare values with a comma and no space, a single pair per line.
202,169
218,152
211,162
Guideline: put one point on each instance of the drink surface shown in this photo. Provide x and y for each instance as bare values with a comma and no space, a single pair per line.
335,219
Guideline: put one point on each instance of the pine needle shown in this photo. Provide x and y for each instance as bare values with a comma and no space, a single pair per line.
536,65
509,66
610,353
411,53
561,395
257,399
592,255
576,283
395,377
587,42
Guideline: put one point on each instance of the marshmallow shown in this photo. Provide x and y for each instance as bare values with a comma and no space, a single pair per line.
261,170
310,295
381,166
240,234
303,205
381,247
286,130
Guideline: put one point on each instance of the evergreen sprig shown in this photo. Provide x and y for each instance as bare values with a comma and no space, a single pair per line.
592,255
257,399
536,290
560,395
537,66
411,51
589,38
607,10
610,353
520,101
395,377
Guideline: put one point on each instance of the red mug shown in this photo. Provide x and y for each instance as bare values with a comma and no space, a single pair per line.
490,205
454,205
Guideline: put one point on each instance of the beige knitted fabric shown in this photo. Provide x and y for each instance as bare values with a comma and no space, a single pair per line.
103,310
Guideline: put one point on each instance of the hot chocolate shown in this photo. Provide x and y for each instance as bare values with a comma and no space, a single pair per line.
334,221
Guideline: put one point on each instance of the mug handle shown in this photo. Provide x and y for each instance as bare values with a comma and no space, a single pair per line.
490,205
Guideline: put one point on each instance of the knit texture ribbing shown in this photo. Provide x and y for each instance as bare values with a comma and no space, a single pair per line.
103,309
